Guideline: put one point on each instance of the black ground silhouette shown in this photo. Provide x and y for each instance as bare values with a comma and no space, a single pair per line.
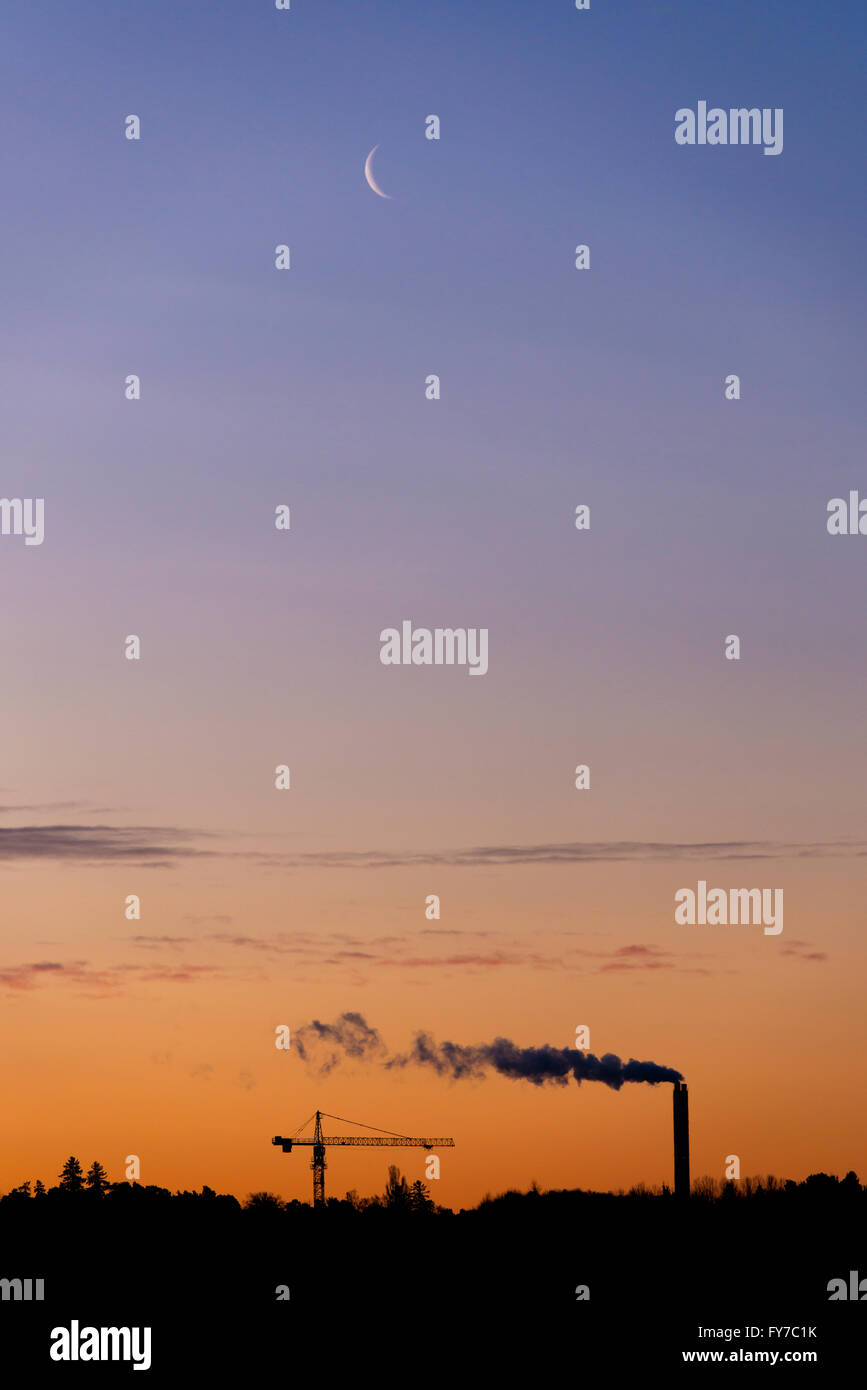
204,1271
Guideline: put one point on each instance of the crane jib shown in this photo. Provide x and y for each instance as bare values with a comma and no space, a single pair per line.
350,1139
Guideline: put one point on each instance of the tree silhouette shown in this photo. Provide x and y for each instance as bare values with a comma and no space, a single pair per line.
263,1201
70,1176
39,1189
396,1190
419,1197
97,1178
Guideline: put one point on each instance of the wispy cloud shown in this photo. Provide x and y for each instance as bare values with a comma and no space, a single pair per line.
353,954
165,846
155,943
574,852
50,808
801,950
401,952
145,846
96,981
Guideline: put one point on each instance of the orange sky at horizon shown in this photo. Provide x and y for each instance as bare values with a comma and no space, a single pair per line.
162,1044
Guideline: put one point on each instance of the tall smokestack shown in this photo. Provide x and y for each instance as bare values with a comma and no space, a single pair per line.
681,1140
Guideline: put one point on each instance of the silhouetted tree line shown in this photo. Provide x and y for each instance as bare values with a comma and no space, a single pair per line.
758,1243
401,1197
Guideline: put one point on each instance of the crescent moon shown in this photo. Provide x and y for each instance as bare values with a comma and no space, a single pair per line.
368,174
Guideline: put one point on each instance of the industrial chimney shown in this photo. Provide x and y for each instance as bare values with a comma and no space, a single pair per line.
681,1140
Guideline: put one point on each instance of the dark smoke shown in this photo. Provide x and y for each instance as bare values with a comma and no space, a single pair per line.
534,1064
351,1036
324,1045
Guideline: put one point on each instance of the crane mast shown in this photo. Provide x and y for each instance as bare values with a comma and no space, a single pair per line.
318,1163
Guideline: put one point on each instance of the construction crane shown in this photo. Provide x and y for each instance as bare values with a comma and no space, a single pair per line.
319,1141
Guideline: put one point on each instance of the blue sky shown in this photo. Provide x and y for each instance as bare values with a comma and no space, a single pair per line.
559,387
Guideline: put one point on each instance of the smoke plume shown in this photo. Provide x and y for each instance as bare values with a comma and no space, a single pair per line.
351,1036
324,1045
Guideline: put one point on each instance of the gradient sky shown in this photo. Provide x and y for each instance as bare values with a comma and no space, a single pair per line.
261,647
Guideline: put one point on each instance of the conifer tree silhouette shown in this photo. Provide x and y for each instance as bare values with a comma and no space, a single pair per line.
97,1178
419,1197
70,1176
